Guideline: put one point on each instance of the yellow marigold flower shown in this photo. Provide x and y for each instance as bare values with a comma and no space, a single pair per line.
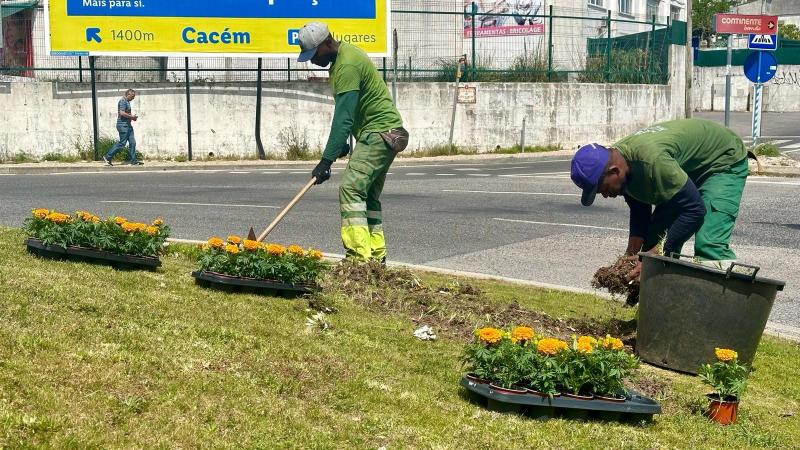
216,242
120,220
235,240
551,346
232,249
88,217
587,340
275,249
296,250
57,217
151,230
612,343
251,245
725,355
521,334
584,347
130,227
316,254
40,213
490,335
158,222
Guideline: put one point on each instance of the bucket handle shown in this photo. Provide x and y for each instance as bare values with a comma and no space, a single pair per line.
752,276
679,255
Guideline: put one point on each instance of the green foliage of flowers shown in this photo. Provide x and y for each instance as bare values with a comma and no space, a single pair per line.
519,358
83,229
251,259
727,376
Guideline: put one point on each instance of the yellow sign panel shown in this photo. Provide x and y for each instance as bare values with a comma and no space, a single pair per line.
210,27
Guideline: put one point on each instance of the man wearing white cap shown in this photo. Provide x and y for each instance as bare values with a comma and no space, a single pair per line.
364,109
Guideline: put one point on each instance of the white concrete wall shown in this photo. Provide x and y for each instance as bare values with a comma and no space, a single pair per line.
42,117
781,94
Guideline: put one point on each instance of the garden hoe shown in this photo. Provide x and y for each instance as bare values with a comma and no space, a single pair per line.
252,235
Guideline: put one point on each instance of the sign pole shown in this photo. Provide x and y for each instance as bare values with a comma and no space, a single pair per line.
728,83
757,104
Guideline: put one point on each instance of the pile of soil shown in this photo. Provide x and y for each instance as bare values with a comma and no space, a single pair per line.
455,310
613,279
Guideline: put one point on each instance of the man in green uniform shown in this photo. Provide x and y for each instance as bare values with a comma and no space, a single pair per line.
364,109
692,170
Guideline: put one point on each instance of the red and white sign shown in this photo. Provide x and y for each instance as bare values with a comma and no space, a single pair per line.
745,24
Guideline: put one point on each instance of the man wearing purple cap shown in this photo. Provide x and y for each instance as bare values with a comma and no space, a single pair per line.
692,170
364,109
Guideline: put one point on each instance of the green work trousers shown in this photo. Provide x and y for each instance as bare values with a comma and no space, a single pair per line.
359,198
721,193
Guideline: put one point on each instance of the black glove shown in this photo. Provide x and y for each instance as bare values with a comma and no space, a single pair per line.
345,150
323,171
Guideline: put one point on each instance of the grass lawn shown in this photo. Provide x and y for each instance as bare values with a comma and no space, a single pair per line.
94,357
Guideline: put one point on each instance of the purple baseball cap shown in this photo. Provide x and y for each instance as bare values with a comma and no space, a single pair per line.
588,167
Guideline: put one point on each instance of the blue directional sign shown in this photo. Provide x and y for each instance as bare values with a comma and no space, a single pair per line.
244,9
763,42
760,67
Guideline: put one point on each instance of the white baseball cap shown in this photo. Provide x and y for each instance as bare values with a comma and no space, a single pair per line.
311,36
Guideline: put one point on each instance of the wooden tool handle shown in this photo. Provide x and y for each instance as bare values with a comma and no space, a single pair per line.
285,211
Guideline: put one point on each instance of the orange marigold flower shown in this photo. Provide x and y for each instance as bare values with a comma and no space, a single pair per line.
489,335
151,230
57,217
235,240
158,222
250,245
275,249
725,354
551,346
40,213
584,347
316,254
216,242
232,249
612,343
87,217
587,340
120,220
130,227
296,250
521,334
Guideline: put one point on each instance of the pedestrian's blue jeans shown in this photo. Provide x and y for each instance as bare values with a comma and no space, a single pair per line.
125,135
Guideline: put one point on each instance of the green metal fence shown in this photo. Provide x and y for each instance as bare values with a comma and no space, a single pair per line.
434,37
788,53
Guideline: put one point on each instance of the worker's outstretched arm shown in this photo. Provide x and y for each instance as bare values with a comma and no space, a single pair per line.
639,223
689,209
343,119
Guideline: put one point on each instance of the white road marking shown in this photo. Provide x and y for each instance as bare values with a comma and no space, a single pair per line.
235,172
797,145
784,183
573,225
189,204
779,142
510,192
415,173
557,177
298,173
206,171
483,164
468,170
478,175
790,151
445,174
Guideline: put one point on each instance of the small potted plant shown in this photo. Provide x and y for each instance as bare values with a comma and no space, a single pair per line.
544,369
729,379
577,362
480,356
611,367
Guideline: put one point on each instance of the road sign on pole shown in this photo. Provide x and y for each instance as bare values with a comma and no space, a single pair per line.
763,42
759,67
211,27
745,24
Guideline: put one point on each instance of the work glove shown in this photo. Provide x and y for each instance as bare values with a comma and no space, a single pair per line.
345,150
323,171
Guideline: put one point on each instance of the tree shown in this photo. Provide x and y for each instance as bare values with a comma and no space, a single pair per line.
788,31
703,16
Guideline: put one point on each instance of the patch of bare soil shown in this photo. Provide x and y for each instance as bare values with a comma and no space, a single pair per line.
613,279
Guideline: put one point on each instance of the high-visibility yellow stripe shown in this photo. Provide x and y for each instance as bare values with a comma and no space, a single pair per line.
353,207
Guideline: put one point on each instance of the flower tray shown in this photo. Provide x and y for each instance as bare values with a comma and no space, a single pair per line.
260,285
635,408
38,248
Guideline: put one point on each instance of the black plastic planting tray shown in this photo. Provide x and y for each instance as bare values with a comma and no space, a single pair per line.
218,280
635,407
38,247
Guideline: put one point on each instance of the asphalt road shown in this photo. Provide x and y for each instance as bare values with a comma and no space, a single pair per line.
514,217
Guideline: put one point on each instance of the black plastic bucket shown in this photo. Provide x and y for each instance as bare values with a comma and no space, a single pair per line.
687,309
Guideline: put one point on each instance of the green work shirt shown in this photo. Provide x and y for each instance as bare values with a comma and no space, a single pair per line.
353,71
662,156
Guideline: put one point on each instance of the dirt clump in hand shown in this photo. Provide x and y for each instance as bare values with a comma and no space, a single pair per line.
614,279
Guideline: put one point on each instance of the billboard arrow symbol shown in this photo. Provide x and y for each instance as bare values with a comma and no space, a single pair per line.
93,34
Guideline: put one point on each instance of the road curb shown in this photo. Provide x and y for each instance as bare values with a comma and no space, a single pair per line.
83,167
773,329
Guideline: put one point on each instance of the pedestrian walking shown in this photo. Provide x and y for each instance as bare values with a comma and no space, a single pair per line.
125,128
